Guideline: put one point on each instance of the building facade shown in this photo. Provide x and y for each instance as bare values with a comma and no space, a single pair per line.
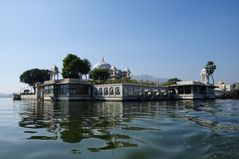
77,89
125,91
65,89
192,90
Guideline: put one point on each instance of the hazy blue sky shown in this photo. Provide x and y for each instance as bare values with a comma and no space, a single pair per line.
163,38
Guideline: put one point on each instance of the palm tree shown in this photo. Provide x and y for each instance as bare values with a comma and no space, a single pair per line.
210,68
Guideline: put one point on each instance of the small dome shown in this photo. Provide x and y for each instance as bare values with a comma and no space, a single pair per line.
102,65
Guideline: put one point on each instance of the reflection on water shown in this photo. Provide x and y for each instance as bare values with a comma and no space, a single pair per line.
166,129
75,121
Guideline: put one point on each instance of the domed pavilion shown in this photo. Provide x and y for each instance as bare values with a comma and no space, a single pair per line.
102,65
114,72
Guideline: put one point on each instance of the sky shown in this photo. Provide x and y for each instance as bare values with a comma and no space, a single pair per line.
163,38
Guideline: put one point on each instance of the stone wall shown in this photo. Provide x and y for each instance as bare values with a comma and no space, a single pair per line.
29,97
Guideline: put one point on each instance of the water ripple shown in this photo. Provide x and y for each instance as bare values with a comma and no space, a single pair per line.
125,130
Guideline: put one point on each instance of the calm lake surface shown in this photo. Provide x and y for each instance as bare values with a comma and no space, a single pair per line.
116,130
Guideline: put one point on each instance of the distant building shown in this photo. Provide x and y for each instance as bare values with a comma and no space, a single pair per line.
224,90
220,89
113,71
229,87
192,90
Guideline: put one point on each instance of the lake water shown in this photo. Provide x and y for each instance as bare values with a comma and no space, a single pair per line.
116,130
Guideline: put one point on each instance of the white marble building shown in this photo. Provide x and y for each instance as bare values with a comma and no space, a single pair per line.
114,72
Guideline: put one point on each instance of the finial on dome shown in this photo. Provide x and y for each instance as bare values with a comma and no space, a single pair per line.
103,60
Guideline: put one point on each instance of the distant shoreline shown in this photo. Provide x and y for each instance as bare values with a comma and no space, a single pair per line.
6,96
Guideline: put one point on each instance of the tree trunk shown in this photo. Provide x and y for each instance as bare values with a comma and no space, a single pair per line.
212,80
86,76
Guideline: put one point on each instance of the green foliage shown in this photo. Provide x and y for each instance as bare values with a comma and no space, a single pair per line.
170,82
99,74
173,80
74,67
210,68
34,75
122,80
71,66
86,67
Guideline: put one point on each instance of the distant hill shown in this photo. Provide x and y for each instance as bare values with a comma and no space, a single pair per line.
4,95
145,77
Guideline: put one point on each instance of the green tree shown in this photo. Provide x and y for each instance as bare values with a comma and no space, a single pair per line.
86,67
99,74
32,76
210,68
72,66
171,81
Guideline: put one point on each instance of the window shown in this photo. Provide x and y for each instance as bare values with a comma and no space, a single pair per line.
46,90
96,92
100,91
180,90
187,89
136,91
106,91
195,89
202,90
49,89
131,92
111,91
79,89
211,90
125,91
62,89
117,91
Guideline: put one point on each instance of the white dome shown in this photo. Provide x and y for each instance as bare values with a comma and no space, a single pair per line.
102,65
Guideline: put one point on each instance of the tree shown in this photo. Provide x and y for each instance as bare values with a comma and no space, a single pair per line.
72,66
99,74
171,81
210,68
34,75
86,67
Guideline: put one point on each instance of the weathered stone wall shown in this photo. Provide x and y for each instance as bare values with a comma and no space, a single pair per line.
29,97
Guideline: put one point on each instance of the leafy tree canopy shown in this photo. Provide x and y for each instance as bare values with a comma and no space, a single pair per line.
210,68
74,67
173,80
170,81
86,67
34,75
99,74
